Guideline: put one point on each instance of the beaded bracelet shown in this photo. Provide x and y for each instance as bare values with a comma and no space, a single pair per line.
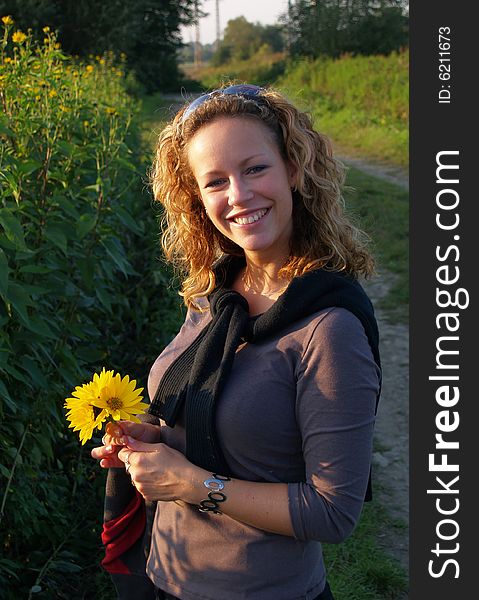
215,496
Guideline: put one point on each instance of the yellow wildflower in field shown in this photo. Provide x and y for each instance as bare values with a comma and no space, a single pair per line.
58,46
89,68
46,29
19,37
7,60
7,20
107,396
110,111
86,124
102,61
52,93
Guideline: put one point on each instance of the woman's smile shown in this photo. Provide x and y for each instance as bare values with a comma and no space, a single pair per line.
249,218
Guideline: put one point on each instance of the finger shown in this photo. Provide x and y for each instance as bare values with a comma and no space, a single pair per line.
111,462
124,455
139,446
102,452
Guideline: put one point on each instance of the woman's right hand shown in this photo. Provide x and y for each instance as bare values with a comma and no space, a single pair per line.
115,438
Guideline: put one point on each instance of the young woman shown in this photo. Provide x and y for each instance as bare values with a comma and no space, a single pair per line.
267,395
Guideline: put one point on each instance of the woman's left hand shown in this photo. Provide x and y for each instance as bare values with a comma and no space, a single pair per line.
159,472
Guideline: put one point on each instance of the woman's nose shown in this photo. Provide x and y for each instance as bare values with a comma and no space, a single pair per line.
239,191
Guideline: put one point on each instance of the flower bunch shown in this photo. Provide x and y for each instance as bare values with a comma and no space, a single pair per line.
108,397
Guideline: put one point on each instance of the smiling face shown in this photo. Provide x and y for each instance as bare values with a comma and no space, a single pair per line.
245,185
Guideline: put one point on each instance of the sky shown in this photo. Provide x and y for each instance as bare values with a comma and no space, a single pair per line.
264,11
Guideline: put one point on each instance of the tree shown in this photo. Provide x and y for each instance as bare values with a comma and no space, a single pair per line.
333,27
243,39
147,31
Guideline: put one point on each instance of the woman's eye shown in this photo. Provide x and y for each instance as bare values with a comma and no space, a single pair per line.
215,183
256,169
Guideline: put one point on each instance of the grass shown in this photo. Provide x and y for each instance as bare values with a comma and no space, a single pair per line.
359,569
382,210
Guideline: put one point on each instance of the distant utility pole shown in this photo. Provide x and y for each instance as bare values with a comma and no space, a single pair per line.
218,27
197,37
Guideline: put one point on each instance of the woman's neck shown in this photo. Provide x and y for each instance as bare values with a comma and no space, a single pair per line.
261,285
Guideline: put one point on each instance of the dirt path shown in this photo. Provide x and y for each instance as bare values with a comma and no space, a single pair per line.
391,456
390,173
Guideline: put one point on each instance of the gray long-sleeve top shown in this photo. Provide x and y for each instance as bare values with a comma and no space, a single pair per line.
297,408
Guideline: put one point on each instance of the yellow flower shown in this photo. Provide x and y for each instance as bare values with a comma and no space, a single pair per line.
83,416
110,111
46,29
58,46
102,61
7,20
86,124
18,37
118,397
107,396
52,93
89,68
7,60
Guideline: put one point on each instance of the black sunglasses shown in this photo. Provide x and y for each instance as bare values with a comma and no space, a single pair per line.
249,91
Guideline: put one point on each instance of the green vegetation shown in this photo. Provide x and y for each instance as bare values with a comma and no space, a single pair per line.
145,31
382,210
80,288
359,569
361,102
328,28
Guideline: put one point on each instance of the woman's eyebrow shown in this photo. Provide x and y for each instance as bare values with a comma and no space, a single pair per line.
214,172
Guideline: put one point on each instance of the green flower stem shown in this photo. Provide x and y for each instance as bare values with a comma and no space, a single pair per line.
12,471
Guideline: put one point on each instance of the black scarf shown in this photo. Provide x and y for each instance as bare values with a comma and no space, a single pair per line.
196,378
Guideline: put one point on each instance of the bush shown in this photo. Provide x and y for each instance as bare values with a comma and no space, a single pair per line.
79,289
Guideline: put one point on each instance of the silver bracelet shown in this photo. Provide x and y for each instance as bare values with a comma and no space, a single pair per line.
215,496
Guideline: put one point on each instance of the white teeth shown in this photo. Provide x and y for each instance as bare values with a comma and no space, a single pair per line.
252,218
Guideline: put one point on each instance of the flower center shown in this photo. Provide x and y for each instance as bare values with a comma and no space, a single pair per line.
114,403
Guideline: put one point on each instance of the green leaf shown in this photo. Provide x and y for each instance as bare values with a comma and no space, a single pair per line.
35,269
41,327
66,567
4,271
56,234
29,166
128,220
104,298
89,354
44,444
31,367
85,224
7,398
115,251
11,180
13,228
19,299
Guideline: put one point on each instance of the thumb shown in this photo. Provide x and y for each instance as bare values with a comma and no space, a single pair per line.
139,446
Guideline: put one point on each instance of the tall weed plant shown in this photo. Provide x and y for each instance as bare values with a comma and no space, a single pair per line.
80,288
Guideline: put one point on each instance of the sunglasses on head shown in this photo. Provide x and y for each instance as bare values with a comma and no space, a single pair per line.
246,90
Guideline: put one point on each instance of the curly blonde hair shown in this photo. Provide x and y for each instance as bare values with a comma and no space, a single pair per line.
323,236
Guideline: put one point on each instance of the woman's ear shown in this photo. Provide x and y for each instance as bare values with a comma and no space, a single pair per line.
292,174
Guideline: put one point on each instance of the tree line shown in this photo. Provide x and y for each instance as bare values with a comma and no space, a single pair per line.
148,31
315,28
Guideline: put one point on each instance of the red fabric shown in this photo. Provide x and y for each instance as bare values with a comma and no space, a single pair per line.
121,533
